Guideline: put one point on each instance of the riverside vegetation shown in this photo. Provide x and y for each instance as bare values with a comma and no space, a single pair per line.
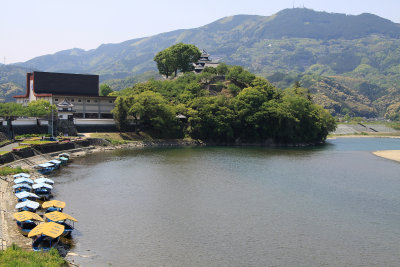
15,256
225,105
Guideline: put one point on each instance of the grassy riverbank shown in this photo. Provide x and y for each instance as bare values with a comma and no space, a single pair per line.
15,256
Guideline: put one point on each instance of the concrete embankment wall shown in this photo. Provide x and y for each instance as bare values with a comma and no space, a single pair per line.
48,148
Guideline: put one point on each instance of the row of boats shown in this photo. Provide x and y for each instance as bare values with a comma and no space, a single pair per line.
54,164
38,217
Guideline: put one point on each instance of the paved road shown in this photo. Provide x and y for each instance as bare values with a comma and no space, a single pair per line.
9,147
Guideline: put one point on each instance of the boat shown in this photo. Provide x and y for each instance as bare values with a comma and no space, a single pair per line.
21,174
26,221
65,155
63,160
23,180
22,188
64,219
24,196
53,205
43,190
27,205
44,168
42,180
57,163
45,236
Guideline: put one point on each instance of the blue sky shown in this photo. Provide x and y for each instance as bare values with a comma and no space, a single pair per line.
33,28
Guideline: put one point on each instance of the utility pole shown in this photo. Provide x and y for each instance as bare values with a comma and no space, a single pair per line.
52,129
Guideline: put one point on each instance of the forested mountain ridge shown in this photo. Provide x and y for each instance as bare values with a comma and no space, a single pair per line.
359,53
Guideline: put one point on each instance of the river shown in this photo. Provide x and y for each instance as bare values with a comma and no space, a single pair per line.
333,205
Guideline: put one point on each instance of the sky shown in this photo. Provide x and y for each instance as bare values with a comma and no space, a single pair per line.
33,28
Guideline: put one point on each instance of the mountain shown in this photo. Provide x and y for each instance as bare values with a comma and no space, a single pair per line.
357,53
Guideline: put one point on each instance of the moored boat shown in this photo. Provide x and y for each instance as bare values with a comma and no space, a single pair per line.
27,205
44,168
57,163
24,196
63,160
42,180
65,155
45,236
53,205
64,219
22,188
21,174
23,180
43,190
26,221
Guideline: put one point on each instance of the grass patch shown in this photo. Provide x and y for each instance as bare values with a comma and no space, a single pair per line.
9,170
15,256
31,135
4,152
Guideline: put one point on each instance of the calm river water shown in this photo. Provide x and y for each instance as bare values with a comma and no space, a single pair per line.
334,205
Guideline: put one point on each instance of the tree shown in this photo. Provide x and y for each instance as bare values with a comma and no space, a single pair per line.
222,69
166,62
40,108
179,57
151,110
105,89
239,76
210,70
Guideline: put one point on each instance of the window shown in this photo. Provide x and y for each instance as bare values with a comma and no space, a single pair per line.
88,100
95,101
79,100
72,100
110,101
56,99
106,116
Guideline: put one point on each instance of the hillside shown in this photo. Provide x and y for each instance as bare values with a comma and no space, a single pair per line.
360,53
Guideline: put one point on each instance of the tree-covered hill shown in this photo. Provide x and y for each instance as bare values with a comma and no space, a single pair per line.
226,105
343,48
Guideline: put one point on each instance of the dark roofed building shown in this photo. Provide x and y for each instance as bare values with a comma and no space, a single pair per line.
65,83
203,62
80,90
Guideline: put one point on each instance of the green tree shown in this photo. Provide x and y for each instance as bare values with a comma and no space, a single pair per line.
166,62
222,69
240,77
179,57
211,119
210,70
155,114
186,55
40,108
105,89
